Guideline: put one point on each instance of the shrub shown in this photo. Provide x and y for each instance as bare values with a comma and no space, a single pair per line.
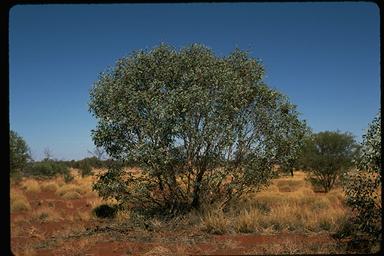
327,155
19,153
47,168
190,119
105,211
85,168
363,190
68,177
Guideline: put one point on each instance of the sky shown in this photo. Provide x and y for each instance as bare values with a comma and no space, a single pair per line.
324,56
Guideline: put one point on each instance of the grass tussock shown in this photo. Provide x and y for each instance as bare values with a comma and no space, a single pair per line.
71,195
47,214
71,188
215,222
51,186
31,186
299,209
19,202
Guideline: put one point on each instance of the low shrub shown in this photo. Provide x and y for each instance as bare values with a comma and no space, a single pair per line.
105,211
47,168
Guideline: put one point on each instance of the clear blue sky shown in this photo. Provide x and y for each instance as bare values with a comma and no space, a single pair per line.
324,56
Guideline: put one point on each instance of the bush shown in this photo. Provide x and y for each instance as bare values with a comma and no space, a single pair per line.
105,211
363,190
47,169
327,155
19,154
202,128
85,168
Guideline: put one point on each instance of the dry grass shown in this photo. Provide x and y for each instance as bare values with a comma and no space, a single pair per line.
70,188
71,195
51,186
31,186
298,210
46,214
83,216
158,250
19,202
215,222
26,251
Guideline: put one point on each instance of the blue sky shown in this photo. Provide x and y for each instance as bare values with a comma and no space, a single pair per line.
324,56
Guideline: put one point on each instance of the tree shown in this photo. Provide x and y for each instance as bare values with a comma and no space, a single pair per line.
98,152
19,153
48,154
202,128
363,189
327,155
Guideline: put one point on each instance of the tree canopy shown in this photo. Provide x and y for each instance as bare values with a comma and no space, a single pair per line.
327,155
363,189
19,153
192,122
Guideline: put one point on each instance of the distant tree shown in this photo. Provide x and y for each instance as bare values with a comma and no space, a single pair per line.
98,152
363,191
48,154
327,155
19,153
201,128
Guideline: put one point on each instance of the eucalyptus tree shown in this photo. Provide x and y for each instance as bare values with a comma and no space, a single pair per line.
363,190
201,128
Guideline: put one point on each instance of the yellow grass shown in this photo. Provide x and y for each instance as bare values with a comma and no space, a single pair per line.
71,195
19,202
45,214
298,209
31,186
215,222
51,186
71,188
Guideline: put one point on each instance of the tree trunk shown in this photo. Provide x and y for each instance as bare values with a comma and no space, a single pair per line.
196,191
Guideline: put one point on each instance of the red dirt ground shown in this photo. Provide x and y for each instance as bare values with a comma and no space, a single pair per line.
100,237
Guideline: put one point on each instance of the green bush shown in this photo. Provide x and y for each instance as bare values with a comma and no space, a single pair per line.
85,168
363,191
19,154
105,211
47,168
327,155
189,114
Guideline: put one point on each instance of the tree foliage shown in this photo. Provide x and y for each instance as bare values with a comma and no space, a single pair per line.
327,155
363,186
19,153
202,128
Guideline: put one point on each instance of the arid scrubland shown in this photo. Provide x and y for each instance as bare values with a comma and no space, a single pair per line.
47,215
